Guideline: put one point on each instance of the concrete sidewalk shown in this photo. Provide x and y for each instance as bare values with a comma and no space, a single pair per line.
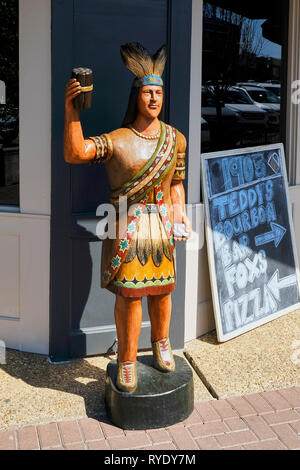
246,396
262,421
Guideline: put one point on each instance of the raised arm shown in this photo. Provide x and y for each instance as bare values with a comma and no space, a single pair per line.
76,148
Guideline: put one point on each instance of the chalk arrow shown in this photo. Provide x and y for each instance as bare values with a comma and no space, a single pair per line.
275,284
275,235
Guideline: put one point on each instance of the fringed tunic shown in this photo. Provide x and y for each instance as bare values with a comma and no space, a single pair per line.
141,260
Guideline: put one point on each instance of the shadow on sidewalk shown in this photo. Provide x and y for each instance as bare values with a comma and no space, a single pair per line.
27,382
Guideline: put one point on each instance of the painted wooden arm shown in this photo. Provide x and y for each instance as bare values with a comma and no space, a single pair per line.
178,202
76,148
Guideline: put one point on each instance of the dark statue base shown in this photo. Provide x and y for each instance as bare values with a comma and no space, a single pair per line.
160,399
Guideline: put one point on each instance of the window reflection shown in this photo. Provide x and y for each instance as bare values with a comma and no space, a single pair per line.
242,73
9,103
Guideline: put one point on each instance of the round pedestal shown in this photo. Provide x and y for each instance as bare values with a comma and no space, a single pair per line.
160,399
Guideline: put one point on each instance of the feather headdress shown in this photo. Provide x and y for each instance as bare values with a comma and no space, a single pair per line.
147,69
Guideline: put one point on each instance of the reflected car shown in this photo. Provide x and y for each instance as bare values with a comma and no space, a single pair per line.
9,123
275,88
249,113
228,130
254,121
262,97
265,100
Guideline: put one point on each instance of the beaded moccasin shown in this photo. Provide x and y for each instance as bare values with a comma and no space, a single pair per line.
162,355
127,376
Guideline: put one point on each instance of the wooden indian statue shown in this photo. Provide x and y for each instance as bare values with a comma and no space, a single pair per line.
145,164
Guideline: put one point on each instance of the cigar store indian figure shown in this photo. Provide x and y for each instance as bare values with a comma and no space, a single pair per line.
145,163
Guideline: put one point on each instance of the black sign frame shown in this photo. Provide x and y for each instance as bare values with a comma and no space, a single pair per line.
238,242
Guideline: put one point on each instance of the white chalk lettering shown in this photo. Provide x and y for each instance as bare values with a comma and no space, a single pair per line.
237,202
254,271
241,276
236,171
246,308
226,255
230,279
245,272
244,223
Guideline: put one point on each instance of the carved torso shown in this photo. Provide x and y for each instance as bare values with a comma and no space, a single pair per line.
130,154
125,165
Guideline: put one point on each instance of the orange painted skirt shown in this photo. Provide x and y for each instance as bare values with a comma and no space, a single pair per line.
148,268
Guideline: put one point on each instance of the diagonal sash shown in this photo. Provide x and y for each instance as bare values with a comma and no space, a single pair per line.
153,172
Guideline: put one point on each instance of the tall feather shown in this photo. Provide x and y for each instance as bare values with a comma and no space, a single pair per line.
143,246
156,239
166,243
137,59
159,59
131,253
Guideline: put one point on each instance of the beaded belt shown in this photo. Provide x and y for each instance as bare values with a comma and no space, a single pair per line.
150,209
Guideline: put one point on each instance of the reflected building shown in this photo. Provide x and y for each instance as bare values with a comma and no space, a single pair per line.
243,42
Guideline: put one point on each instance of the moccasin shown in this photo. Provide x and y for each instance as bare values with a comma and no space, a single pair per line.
162,355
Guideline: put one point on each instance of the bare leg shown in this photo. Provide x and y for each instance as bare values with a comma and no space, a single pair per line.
128,317
159,307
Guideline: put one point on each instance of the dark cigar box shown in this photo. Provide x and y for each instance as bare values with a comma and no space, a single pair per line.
85,77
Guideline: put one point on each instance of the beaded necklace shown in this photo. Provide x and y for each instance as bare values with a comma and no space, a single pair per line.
147,137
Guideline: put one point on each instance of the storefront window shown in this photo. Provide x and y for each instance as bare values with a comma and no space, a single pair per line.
9,103
243,73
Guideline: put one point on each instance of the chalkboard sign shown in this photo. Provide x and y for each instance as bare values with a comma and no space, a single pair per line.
250,238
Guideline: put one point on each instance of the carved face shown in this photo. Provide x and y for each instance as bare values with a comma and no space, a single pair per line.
150,100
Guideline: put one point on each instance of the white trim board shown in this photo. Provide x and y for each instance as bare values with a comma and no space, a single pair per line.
25,265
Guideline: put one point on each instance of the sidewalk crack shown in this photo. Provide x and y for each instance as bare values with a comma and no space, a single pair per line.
201,376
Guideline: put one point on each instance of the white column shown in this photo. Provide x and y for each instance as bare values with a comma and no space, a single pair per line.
293,110
293,116
195,104
35,105
198,305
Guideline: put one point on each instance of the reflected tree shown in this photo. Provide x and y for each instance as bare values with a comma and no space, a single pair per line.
231,43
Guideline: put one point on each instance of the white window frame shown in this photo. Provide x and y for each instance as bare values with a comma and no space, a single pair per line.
293,111
34,109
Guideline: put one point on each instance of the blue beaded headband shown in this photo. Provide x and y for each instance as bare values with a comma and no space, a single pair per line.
149,80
